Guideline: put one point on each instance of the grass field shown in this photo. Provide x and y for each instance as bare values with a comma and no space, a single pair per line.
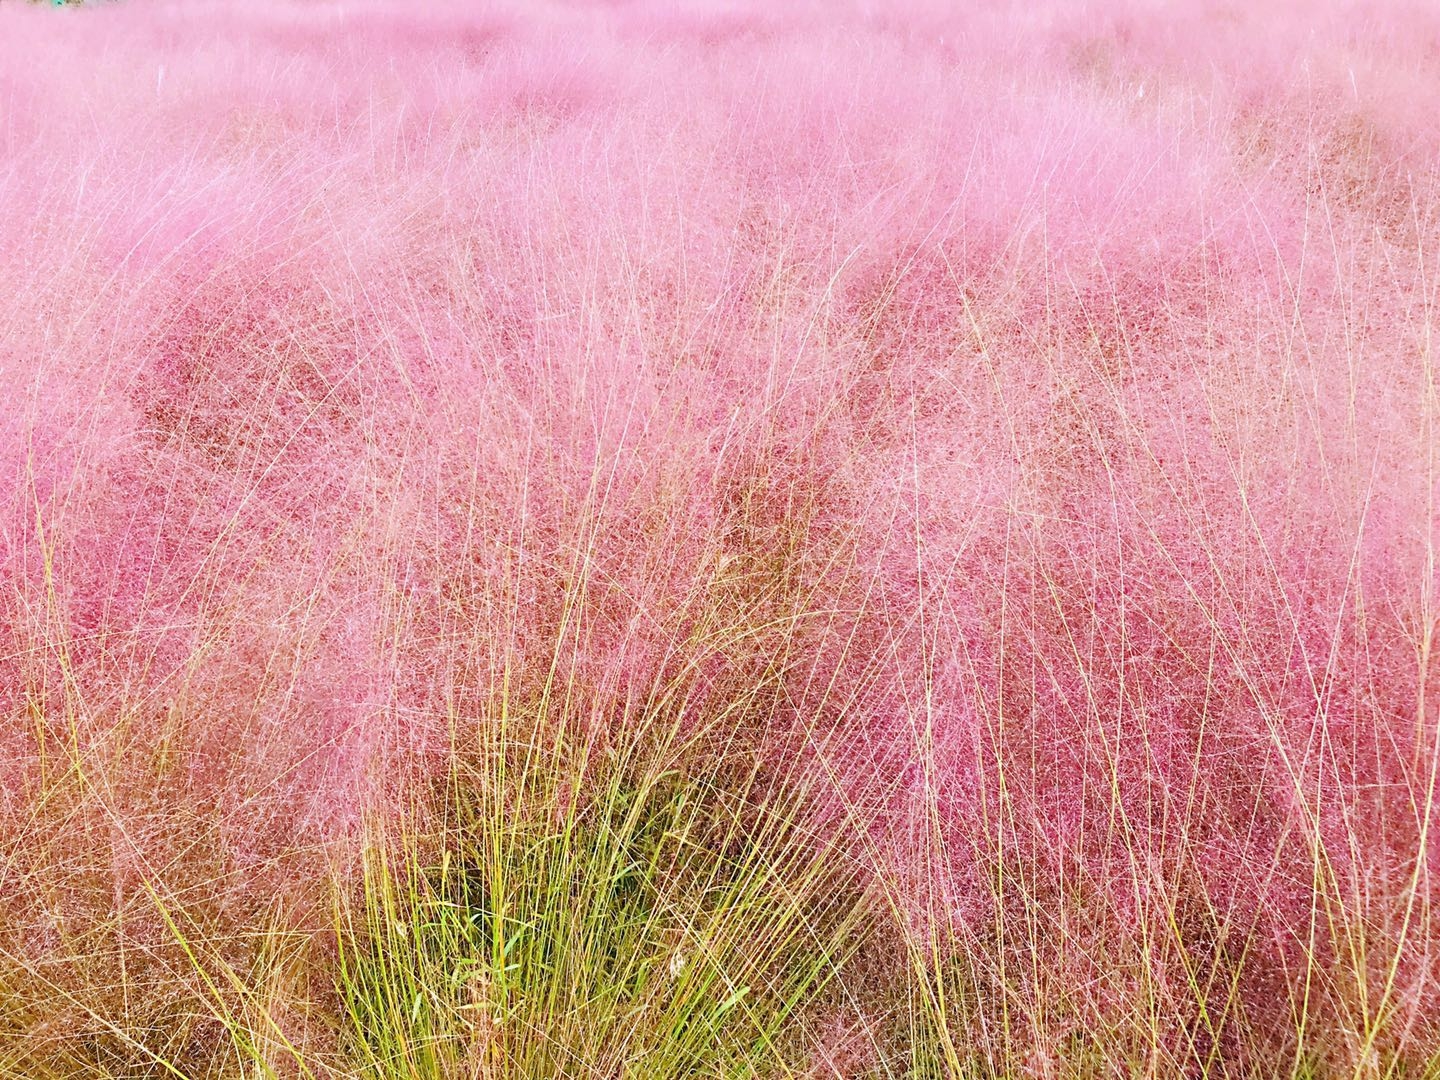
653,539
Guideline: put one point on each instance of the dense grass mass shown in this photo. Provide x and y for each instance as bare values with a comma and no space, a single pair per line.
719,540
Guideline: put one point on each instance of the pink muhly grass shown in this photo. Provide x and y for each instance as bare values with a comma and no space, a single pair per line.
1030,418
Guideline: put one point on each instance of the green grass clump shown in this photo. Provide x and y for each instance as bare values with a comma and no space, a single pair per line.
680,920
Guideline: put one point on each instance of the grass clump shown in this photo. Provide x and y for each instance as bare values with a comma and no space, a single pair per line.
678,919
